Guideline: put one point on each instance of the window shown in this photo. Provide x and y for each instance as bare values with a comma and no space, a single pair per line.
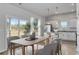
8,26
64,24
13,27
19,27
24,27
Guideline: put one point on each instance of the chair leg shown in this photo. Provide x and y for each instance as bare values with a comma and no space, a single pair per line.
23,50
11,50
37,46
32,49
60,50
57,51
14,49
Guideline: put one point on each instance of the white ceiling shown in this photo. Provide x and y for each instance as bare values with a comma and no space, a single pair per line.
42,8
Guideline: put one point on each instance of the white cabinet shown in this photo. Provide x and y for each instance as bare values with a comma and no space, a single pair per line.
67,36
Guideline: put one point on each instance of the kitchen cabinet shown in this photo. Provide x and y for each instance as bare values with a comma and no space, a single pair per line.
67,35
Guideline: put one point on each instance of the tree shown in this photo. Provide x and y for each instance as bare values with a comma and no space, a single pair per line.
27,28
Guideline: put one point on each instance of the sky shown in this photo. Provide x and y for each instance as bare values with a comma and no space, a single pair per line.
15,21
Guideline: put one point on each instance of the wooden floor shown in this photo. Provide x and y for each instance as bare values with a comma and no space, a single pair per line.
68,48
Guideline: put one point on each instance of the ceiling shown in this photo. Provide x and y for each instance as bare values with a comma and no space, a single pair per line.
47,9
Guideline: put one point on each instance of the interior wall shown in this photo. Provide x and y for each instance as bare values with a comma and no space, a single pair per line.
70,18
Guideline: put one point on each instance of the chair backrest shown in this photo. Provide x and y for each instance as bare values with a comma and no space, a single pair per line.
23,36
49,49
58,41
13,37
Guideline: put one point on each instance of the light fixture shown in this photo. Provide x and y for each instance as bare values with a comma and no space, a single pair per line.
20,3
56,12
48,11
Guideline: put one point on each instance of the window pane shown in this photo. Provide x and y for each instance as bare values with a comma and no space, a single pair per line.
35,25
8,27
14,27
24,27
64,24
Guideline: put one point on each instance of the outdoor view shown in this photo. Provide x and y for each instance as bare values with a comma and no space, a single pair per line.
14,27
24,27
19,27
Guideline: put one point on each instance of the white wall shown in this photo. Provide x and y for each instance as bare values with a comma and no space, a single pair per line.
70,18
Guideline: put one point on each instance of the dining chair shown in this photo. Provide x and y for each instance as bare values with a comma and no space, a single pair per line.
23,36
59,43
43,43
53,48
11,38
50,49
9,44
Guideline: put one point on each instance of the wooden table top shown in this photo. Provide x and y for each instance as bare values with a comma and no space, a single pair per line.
22,41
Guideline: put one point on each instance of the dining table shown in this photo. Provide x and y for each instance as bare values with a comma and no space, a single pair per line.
24,42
